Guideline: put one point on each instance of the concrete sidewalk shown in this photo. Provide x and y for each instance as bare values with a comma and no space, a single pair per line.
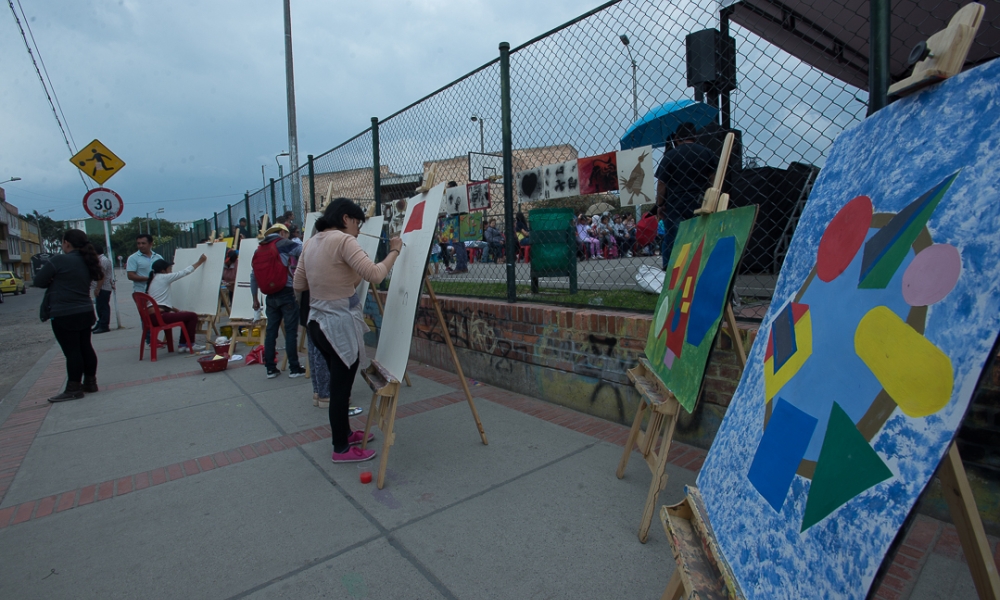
173,483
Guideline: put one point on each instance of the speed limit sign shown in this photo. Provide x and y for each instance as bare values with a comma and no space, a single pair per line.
103,204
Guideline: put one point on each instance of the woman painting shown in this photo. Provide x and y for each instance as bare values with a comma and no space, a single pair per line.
158,288
331,266
68,277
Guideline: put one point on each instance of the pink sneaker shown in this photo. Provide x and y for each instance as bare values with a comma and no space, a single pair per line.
353,455
357,437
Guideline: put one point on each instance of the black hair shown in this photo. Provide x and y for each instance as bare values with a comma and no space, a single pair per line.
145,235
79,241
98,247
158,266
243,220
333,216
685,132
452,184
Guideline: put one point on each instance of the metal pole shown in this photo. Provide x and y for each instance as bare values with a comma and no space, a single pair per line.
725,110
111,255
482,137
312,187
157,227
508,170
635,93
281,178
216,222
878,57
229,217
293,138
376,169
274,207
246,205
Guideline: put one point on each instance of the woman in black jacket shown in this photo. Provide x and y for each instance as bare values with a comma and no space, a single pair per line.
67,302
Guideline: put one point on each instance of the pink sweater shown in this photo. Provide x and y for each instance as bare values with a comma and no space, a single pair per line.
332,264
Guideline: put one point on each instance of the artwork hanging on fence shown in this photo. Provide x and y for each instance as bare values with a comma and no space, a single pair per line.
456,200
598,173
700,272
448,229
530,185
636,182
199,291
407,278
479,195
471,227
561,180
242,305
394,212
884,315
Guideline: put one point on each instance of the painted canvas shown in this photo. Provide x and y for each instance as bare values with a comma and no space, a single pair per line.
885,312
407,278
561,180
199,291
371,227
456,200
471,227
700,272
448,229
242,298
479,195
598,173
530,185
636,182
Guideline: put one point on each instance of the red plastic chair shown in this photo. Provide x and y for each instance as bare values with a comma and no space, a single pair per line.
153,324
524,253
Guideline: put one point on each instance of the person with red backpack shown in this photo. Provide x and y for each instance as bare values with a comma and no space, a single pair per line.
272,267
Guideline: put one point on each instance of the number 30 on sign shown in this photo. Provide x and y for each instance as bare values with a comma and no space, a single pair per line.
103,204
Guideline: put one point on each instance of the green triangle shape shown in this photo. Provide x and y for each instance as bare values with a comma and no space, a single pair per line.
847,466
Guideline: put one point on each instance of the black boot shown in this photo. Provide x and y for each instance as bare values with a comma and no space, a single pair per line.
74,391
89,385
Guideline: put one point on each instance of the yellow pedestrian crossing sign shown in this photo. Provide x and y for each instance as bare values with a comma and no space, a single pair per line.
99,163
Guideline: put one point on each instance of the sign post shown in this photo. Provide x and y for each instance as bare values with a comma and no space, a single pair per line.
105,204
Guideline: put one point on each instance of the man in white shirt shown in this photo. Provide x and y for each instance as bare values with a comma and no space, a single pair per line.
102,292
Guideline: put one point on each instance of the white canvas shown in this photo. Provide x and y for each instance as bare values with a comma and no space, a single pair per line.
372,227
636,183
479,195
560,180
530,185
242,299
310,226
407,277
456,200
199,291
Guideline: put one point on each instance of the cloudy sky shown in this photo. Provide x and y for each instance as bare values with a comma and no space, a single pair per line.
191,95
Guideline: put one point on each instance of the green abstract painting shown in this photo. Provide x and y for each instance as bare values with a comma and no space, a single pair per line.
696,286
471,227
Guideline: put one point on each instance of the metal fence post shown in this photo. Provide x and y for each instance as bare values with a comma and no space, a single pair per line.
376,169
508,171
274,205
878,55
229,217
312,187
215,218
246,205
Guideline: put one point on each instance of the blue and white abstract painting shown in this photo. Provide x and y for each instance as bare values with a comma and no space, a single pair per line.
884,315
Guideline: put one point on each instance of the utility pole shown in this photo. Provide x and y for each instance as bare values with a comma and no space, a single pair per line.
293,140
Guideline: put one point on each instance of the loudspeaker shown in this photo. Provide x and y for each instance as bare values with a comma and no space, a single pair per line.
711,61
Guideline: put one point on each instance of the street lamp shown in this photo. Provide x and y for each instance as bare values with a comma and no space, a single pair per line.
482,139
635,94
11,179
281,176
157,223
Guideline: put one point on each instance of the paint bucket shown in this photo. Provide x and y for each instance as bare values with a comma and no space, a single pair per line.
226,330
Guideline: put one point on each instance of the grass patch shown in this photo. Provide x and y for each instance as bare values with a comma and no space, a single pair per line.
625,299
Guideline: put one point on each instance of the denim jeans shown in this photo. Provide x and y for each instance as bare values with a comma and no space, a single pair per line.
667,243
281,307
104,309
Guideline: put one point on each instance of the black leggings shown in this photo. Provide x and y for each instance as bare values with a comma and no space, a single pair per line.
341,382
73,334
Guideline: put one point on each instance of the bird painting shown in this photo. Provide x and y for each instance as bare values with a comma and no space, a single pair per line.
633,185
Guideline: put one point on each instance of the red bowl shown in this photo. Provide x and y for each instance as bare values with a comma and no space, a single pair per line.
209,365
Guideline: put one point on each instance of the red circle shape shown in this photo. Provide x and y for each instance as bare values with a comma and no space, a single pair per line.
843,238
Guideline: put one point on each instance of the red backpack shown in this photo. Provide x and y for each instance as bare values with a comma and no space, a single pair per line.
271,274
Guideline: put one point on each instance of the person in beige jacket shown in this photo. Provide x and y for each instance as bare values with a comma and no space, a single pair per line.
330,267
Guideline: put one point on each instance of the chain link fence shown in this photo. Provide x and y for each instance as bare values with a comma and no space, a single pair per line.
575,92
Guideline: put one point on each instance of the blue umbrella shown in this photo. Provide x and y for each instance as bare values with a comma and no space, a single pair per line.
657,125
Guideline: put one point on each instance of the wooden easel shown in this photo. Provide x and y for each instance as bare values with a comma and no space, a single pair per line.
702,571
385,395
655,399
249,339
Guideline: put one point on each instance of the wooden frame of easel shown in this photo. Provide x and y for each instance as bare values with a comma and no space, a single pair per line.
385,394
655,400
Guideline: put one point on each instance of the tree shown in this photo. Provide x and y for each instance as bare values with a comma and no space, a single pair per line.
123,238
49,231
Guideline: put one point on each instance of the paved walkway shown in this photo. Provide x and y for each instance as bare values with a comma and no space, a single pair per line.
173,483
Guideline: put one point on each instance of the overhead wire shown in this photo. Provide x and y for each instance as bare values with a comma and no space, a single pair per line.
48,88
